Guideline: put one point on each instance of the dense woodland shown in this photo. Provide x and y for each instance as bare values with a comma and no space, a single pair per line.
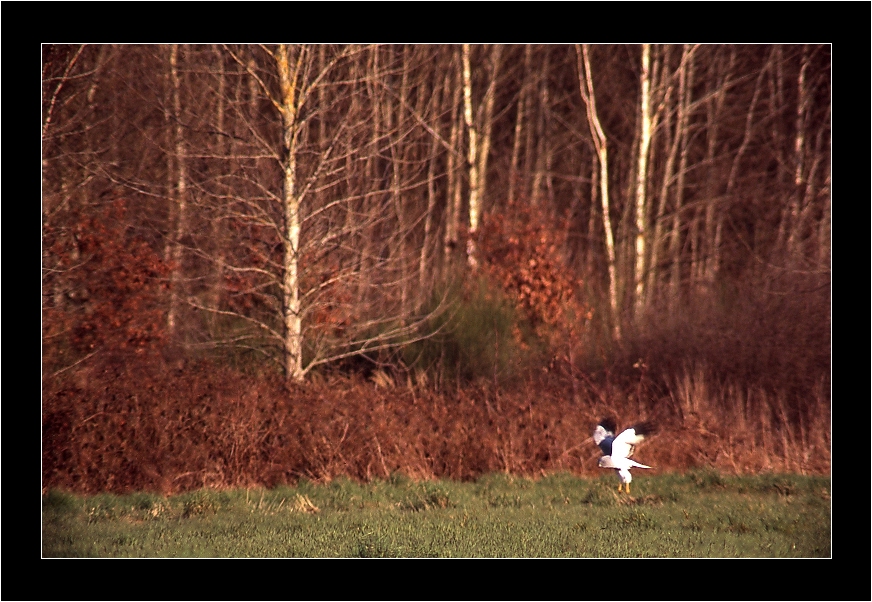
263,263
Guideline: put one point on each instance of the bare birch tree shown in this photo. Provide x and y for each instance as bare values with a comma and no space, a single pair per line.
177,187
315,219
520,118
455,192
310,199
472,162
647,124
585,84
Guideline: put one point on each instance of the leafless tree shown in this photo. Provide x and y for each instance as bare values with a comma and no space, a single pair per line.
321,272
312,199
585,83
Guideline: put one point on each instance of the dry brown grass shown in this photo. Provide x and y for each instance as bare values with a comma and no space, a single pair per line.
127,425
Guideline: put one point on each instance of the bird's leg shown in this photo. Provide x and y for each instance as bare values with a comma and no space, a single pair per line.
628,489
620,487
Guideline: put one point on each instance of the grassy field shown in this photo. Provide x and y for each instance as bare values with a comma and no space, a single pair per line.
697,514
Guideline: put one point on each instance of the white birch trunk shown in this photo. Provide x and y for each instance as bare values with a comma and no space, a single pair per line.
792,220
216,224
487,122
686,77
431,201
293,326
600,143
670,139
519,124
647,123
454,189
543,144
472,161
179,201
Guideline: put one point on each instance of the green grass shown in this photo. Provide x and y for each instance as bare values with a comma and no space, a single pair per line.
698,514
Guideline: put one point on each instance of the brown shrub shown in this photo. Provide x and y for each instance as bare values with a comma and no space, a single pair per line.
123,424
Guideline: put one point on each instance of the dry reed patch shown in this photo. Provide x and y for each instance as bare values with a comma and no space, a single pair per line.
141,427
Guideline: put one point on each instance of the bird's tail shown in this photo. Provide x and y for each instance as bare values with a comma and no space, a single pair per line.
606,462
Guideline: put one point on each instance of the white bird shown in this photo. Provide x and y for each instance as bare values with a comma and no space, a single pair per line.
617,450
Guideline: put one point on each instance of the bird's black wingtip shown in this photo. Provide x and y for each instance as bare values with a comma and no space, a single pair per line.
648,427
610,424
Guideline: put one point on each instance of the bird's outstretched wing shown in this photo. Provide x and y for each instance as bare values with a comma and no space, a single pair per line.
625,443
604,433
601,432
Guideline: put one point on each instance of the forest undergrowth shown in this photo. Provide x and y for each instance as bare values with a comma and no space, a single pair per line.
513,380
122,426
431,261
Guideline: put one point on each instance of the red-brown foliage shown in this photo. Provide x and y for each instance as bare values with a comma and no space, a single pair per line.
103,288
522,249
126,418
122,424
